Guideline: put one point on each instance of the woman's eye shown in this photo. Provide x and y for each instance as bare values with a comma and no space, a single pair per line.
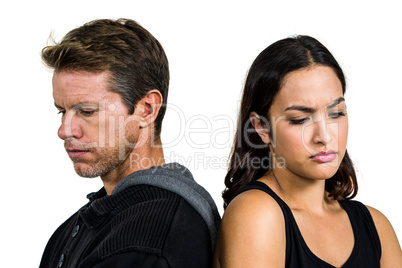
62,112
298,121
336,115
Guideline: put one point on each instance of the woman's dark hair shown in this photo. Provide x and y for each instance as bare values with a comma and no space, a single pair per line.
263,83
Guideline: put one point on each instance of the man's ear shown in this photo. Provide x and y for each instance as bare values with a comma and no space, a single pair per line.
260,127
152,103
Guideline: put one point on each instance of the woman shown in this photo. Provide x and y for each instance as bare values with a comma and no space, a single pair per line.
290,181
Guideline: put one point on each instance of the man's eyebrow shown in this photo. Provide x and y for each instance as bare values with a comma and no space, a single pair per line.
58,106
78,106
341,99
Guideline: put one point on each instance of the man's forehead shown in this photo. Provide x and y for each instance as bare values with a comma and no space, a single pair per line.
74,78
80,87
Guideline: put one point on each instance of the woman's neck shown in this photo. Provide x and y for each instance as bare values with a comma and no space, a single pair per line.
297,192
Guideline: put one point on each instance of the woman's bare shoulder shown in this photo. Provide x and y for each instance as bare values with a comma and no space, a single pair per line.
252,232
391,254
254,203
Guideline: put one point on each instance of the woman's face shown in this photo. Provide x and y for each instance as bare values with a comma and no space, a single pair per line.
309,123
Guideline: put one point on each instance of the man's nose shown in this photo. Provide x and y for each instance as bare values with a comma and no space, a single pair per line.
69,127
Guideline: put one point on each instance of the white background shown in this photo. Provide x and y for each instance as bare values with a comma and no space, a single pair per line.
210,46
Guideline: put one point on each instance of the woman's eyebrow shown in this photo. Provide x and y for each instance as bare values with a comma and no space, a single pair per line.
310,110
339,100
300,108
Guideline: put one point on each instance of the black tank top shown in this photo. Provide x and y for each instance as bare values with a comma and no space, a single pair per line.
367,248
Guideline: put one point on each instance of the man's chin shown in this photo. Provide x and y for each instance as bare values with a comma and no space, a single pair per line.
86,171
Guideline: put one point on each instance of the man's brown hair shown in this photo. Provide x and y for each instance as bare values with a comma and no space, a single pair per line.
135,59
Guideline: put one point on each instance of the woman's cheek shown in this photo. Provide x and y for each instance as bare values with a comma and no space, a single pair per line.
343,134
289,142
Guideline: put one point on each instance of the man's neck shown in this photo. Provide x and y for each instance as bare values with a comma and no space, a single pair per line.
138,159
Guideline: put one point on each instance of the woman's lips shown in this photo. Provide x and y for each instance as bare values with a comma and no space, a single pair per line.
324,156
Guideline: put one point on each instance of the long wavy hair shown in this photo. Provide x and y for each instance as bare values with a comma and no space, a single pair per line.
263,83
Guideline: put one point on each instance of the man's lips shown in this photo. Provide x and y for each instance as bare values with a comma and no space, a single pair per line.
324,156
75,153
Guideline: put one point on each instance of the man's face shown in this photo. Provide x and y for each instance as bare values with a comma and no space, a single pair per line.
97,130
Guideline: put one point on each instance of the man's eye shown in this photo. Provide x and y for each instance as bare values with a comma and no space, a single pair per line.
298,121
86,112
62,112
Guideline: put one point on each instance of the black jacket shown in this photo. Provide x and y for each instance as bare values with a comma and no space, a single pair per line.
138,225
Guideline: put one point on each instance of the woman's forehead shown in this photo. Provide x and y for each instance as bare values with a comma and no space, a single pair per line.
311,87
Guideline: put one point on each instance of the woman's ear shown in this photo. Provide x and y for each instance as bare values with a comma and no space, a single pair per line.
152,103
260,127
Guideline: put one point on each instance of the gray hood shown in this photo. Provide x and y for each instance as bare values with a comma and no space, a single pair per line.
178,179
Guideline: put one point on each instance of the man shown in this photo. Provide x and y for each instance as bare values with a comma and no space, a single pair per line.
110,85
